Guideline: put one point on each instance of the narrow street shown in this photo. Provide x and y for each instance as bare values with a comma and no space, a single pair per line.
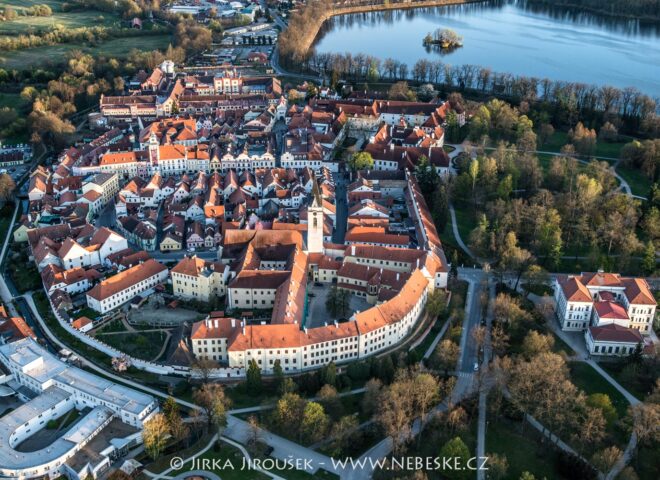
341,205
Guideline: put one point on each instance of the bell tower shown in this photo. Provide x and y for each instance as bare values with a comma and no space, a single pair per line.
315,221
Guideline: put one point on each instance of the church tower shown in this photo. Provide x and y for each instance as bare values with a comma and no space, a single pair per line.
154,153
315,221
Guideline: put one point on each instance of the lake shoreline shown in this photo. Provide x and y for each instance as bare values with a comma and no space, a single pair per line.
501,38
310,40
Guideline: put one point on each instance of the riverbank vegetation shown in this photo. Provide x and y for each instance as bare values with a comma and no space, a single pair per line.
642,9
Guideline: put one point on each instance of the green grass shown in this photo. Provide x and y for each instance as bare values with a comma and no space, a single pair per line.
143,345
560,345
639,183
522,451
590,381
465,221
112,326
603,149
6,214
13,100
56,54
68,20
646,463
631,382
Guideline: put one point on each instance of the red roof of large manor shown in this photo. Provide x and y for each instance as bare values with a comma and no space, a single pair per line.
394,309
214,328
193,266
615,333
375,235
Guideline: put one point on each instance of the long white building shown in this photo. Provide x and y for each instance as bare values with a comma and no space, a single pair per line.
126,285
56,388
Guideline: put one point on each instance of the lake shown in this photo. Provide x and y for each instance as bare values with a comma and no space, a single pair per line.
510,37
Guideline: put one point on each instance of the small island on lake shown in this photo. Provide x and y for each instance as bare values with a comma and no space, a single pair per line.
444,38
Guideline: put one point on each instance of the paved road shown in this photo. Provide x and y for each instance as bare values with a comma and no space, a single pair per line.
341,205
469,353
176,256
483,394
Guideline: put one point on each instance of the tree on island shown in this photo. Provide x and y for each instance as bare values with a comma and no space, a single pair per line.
445,37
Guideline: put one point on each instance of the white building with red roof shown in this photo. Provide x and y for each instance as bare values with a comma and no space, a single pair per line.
122,287
612,339
607,307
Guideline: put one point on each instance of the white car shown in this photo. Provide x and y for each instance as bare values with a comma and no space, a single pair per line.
476,366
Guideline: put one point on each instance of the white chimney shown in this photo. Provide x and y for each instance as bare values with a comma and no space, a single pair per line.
216,323
336,324
353,250
233,323
397,276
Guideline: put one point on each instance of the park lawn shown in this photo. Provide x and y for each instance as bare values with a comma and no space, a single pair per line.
614,369
590,381
68,20
56,54
560,345
639,183
465,220
645,462
142,345
6,214
603,149
457,301
13,100
522,451
555,142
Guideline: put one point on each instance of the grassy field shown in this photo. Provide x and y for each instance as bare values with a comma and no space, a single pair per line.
589,380
639,183
13,100
523,452
29,24
465,220
56,54
144,345
603,149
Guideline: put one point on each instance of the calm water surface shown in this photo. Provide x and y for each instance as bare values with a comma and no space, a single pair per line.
510,37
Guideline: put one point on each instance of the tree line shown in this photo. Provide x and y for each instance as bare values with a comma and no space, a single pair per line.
565,102
649,9
60,34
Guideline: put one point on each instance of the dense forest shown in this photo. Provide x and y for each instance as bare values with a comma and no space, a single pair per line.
649,9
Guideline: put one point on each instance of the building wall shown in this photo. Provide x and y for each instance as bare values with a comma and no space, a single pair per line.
118,299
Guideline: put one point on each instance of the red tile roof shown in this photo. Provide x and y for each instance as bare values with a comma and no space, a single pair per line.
615,333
